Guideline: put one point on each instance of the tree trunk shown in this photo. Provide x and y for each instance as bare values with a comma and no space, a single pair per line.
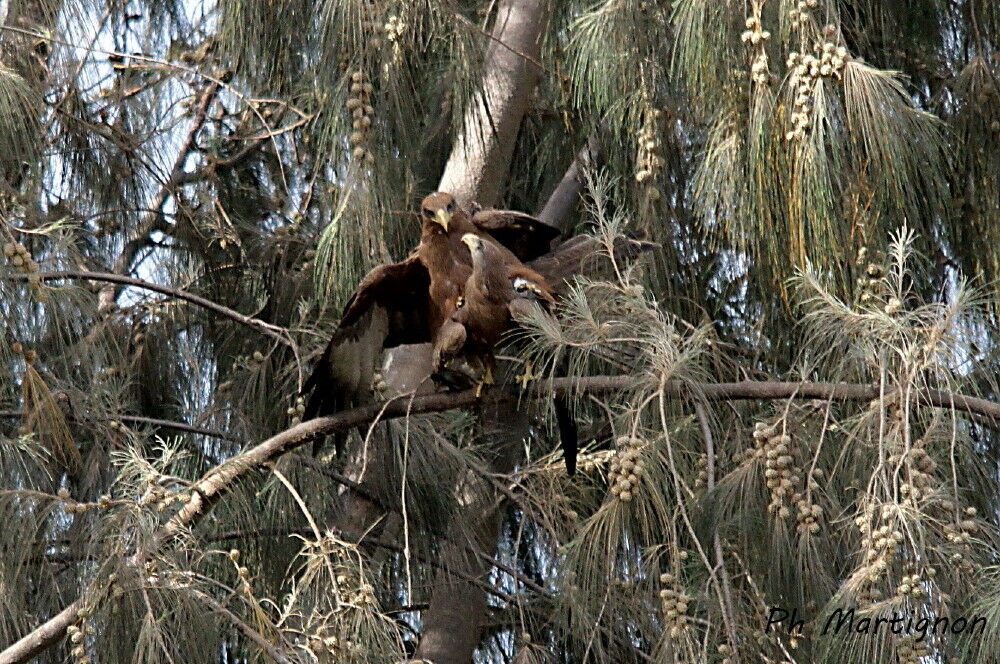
478,165
476,170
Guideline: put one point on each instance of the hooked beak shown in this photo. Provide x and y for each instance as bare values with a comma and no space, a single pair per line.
470,240
442,217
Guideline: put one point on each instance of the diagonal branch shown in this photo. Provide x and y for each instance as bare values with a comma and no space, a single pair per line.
154,220
279,334
211,487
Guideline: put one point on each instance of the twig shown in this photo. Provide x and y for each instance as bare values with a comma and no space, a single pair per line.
248,631
365,540
153,220
277,333
720,560
207,490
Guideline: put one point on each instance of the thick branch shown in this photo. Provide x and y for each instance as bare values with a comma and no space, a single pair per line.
567,193
260,326
212,485
477,167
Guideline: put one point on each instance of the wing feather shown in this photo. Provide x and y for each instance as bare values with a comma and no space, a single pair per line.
580,254
390,307
527,237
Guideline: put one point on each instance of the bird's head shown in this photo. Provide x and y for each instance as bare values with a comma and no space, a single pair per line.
438,208
473,242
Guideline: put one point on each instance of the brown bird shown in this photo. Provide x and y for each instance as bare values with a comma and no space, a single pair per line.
406,302
495,292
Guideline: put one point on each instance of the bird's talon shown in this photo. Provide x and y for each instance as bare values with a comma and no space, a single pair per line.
487,379
528,376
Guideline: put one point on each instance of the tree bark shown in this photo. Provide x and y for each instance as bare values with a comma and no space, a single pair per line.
476,170
566,195
478,165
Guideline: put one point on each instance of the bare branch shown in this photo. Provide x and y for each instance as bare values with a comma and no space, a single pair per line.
567,193
153,220
279,334
207,490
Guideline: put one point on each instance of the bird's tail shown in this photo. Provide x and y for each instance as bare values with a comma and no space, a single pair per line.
568,435
323,399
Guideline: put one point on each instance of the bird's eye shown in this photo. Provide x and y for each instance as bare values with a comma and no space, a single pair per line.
451,206
460,302
428,213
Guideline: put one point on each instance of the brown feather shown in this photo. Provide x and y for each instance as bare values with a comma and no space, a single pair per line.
413,301
578,254
489,293
390,307
527,237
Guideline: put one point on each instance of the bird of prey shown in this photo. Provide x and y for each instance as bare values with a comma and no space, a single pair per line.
497,292
409,301
406,302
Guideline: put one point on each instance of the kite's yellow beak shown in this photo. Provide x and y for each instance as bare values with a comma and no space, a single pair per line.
442,217
471,240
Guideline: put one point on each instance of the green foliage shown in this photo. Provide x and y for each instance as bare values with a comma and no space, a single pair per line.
265,155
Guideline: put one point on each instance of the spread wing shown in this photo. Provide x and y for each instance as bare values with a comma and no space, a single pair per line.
580,254
391,306
527,237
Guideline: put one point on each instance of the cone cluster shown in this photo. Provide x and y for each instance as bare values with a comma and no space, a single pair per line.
910,585
674,603
22,261
78,633
911,651
626,468
162,498
827,60
648,158
298,410
872,284
393,28
359,104
801,13
780,472
920,465
702,465
879,541
808,515
756,36
28,354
